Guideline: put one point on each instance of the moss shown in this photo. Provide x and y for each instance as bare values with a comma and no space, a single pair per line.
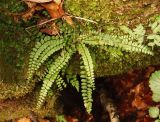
15,108
109,12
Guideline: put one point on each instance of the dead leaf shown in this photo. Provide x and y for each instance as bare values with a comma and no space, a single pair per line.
139,103
30,4
52,30
24,120
54,10
28,15
39,1
68,20
58,1
150,70
71,119
32,7
138,89
40,21
49,31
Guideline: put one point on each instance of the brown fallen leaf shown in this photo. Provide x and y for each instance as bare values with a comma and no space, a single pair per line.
150,70
40,21
30,4
39,1
71,119
52,30
49,31
32,7
68,20
24,120
53,7
59,1
139,103
55,10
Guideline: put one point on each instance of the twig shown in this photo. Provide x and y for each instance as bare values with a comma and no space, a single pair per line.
109,106
88,20
45,22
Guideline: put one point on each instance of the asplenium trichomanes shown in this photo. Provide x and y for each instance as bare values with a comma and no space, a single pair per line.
66,47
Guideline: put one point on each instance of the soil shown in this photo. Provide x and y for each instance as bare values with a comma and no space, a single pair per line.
130,92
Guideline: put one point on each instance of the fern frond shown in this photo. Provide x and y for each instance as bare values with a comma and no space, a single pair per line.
123,42
87,59
87,75
42,51
53,72
45,88
155,26
60,83
86,89
72,79
154,84
137,34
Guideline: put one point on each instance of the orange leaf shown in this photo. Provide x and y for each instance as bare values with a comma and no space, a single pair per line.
139,103
54,9
24,120
39,1
68,20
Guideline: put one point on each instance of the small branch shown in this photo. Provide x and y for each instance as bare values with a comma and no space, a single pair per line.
80,18
109,106
45,22
85,19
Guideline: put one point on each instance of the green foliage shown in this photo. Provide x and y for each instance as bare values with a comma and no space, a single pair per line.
138,33
43,49
60,83
158,120
154,84
53,72
65,47
87,76
155,36
124,42
72,79
60,118
153,112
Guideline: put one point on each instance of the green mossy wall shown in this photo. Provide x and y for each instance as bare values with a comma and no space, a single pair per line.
18,97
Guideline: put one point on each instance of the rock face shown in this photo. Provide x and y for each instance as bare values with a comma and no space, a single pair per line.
17,96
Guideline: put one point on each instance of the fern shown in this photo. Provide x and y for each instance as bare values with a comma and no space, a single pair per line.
53,72
123,42
60,83
154,38
154,84
112,44
137,34
72,79
87,75
155,26
42,51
